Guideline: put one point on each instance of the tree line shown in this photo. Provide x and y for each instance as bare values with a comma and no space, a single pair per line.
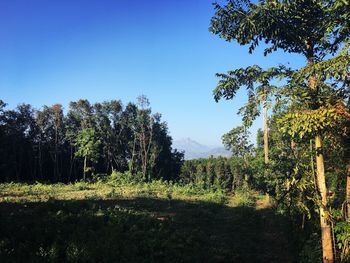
219,173
50,146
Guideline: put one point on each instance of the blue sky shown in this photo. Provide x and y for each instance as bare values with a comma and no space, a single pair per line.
62,50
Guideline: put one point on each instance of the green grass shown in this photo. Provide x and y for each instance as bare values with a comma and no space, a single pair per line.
154,222
16,192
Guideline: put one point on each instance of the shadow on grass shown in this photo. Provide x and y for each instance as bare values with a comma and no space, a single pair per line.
140,230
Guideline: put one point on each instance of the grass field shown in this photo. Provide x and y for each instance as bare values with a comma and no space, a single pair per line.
155,222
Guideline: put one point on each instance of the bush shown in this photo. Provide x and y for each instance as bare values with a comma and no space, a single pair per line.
244,198
82,185
126,177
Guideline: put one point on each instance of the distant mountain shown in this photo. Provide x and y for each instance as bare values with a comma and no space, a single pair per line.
195,150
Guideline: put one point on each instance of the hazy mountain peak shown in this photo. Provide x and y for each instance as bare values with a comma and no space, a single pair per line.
194,149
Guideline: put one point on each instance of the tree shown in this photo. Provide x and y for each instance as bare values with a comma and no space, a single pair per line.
302,27
88,148
40,122
237,141
80,116
57,119
336,72
109,126
164,161
144,134
257,82
211,171
45,144
19,130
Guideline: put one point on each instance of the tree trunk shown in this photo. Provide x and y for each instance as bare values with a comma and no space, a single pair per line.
84,168
55,175
40,161
70,164
326,231
145,169
132,157
348,191
266,136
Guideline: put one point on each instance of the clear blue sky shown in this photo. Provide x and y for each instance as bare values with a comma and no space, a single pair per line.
56,51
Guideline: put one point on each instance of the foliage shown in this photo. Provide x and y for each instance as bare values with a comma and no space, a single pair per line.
88,145
46,145
312,122
286,25
143,222
342,231
258,84
315,112
237,141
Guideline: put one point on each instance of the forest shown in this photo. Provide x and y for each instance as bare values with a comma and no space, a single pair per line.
47,145
107,171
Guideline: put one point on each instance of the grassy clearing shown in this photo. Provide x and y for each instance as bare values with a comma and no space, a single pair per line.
15,192
155,222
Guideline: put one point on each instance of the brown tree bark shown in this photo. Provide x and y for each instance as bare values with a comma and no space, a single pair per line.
326,231
348,191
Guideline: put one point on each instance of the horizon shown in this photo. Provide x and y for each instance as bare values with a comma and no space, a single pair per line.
61,51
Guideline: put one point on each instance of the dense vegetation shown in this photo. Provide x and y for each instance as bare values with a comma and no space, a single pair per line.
309,128
301,160
47,145
116,221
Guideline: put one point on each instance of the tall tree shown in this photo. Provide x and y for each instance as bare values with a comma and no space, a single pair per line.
40,122
145,125
88,148
304,27
259,88
128,134
80,116
20,130
336,72
57,119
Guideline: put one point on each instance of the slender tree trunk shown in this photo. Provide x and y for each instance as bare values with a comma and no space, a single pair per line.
327,245
84,168
143,153
326,231
348,191
40,161
71,163
145,169
57,177
56,172
266,136
132,157
109,160
55,157
145,148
